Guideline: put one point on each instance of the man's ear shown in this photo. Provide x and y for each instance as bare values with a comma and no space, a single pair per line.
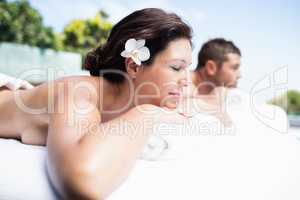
132,68
211,68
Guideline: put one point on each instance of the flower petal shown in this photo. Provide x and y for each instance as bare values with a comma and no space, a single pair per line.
130,45
143,54
140,43
125,54
136,60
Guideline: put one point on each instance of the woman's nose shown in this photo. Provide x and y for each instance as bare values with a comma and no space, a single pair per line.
183,83
185,79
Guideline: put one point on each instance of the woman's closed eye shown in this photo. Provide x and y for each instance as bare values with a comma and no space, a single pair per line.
176,68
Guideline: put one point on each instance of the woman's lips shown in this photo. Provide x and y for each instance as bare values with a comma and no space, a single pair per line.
176,94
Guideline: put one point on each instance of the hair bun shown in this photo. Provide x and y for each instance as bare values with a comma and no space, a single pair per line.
92,61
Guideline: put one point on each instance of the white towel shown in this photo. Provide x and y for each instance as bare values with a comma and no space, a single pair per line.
23,172
13,83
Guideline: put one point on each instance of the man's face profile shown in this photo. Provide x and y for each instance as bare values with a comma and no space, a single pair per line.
229,73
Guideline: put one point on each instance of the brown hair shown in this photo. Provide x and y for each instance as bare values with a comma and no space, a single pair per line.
216,50
154,25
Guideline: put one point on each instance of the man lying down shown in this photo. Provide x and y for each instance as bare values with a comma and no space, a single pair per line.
204,158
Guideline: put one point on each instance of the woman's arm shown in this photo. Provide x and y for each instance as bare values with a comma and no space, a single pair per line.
88,160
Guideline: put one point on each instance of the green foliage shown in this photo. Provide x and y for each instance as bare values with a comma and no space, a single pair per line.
290,101
83,35
20,23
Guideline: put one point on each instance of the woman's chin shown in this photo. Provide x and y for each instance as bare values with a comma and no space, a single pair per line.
171,104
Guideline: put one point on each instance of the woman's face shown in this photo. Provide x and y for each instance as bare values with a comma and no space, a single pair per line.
161,83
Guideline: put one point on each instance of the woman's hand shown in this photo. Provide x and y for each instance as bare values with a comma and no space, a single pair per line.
161,114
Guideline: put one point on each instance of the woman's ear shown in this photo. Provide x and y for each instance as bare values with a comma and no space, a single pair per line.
132,68
211,68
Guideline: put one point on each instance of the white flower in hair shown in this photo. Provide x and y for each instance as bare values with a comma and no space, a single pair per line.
136,50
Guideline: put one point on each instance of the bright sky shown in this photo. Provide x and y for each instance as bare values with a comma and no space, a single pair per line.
267,32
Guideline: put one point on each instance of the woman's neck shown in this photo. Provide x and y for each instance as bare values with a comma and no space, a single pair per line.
115,99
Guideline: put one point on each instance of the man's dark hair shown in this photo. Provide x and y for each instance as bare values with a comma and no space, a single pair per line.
216,50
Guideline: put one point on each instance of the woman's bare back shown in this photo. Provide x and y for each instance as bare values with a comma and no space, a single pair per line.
25,113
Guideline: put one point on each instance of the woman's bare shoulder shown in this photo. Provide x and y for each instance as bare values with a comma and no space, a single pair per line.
79,80
77,87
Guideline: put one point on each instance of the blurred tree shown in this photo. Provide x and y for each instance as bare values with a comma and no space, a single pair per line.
83,35
290,101
20,23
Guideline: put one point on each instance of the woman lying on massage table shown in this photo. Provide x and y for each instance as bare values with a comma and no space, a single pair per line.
136,75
